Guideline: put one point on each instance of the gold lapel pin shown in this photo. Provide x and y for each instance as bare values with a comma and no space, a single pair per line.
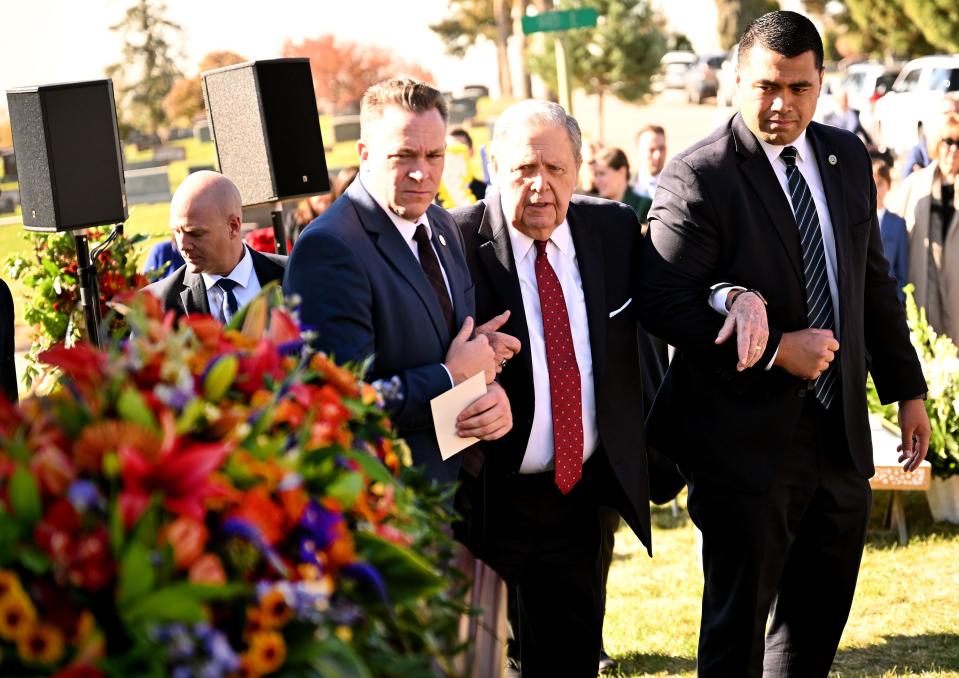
832,159
443,240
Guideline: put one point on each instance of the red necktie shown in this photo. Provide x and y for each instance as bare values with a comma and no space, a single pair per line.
564,386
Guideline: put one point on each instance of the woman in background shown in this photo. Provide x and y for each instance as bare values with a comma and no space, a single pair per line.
611,170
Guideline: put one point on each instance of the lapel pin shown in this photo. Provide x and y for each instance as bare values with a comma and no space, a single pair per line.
442,240
832,159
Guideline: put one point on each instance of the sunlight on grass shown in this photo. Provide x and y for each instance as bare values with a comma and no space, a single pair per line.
904,621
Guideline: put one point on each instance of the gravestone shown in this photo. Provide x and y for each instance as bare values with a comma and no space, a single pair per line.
200,168
169,153
201,131
144,164
148,185
178,133
7,204
346,128
9,172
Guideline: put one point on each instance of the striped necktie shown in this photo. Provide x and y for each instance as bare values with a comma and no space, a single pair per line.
230,305
819,309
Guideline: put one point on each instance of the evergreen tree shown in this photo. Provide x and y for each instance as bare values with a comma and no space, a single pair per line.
885,30
148,68
938,20
735,15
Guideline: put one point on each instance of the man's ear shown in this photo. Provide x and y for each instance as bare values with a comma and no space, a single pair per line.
235,224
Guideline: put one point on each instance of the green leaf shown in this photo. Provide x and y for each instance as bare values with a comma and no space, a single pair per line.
332,658
178,603
192,412
132,407
136,577
371,466
34,560
25,498
408,575
346,489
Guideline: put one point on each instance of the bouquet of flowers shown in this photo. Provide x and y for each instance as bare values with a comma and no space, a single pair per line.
206,501
940,364
49,272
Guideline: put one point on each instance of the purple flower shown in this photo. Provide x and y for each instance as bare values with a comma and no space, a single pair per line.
367,574
84,495
221,655
237,527
320,525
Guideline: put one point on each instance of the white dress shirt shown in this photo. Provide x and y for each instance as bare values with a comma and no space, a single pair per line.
646,186
806,163
562,257
248,285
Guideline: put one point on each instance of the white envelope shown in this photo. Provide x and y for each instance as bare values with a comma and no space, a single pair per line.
447,406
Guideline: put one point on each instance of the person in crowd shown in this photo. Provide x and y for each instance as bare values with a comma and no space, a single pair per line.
611,172
563,266
477,187
892,227
918,156
777,456
164,258
847,118
220,274
587,178
8,366
928,201
651,153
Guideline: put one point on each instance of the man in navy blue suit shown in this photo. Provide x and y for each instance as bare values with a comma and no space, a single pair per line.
892,228
382,273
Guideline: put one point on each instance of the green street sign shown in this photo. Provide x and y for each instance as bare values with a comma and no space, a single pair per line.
584,17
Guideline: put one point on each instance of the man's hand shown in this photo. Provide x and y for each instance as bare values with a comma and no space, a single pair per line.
466,356
747,318
807,353
914,424
488,418
505,346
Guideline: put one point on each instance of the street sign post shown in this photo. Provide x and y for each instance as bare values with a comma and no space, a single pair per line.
555,22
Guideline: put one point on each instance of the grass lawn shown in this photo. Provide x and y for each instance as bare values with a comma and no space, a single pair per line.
904,621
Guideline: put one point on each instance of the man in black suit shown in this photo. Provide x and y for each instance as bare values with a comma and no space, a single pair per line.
221,273
777,456
565,268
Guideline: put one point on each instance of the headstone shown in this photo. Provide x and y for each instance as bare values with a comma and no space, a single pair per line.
9,172
178,133
169,153
200,168
7,204
461,109
201,131
145,164
149,185
346,128
261,215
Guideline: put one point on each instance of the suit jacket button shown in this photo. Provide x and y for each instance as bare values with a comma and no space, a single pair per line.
801,392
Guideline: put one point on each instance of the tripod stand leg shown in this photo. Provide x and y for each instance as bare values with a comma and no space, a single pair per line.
89,297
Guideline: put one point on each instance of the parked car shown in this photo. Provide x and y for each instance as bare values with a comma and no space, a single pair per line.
673,67
915,98
726,79
865,83
702,77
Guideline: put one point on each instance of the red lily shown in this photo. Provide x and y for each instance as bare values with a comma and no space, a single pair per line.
184,478
83,362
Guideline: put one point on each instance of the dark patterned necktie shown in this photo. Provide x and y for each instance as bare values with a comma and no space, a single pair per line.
230,305
819,310
566,398
431,267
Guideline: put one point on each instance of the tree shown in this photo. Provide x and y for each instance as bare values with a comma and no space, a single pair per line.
938,20
885,30
472,21
148,69
185,99
343,70
735,15
616,57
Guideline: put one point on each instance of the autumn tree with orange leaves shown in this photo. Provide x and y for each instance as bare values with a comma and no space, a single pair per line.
343,70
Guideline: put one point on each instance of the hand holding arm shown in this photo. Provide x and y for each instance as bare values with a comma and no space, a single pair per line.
747,319
488,418
807,353
466,356
505,346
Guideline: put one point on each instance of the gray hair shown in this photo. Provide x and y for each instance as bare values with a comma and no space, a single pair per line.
534,113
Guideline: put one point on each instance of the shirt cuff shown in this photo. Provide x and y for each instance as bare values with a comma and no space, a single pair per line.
772,361
718,294
448,374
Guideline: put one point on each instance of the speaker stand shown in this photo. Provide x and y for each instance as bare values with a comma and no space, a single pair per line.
89,296
279,233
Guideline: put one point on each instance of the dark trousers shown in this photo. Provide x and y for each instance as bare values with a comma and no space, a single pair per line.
546,546
795,549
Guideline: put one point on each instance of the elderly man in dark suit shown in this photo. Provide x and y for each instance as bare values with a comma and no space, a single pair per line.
778,455
381,273
221,273
565,268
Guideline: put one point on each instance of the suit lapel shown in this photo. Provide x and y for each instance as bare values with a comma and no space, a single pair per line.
589,258
496,256
389,242
755,166
831,176
193,294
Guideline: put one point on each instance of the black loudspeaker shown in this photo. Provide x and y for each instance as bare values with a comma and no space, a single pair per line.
266,129
68,155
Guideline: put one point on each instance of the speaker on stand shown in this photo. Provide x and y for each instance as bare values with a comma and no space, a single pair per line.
70,170
267,132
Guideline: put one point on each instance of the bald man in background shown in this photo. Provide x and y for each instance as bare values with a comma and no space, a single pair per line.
221,273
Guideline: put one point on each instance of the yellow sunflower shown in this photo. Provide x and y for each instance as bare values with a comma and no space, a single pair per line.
42,645
17,615
275,611
267,652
